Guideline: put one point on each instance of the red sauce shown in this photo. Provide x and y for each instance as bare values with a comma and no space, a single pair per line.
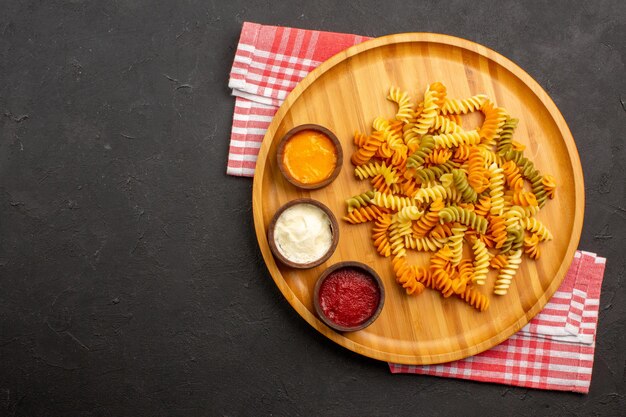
349,296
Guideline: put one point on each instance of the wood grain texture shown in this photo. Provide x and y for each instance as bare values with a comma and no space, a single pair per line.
345,94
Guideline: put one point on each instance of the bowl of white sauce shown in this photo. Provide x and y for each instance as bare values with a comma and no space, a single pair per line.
303,233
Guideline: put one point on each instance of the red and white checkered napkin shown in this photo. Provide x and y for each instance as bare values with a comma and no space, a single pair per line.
554,351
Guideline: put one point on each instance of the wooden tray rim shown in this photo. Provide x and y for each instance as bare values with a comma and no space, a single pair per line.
417,37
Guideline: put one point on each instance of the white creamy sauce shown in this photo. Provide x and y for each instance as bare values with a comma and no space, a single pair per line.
303,233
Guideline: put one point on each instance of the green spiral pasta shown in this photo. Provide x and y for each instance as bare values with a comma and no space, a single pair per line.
396,238
506,135
460,182
360,200
464,216
434,172
427,144
525,165
539,190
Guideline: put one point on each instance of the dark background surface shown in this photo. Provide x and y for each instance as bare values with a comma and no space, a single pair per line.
130,278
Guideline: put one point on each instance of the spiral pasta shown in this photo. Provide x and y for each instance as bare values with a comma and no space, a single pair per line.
463,106
549,185
446,125
505,141
427,144
468,194
513,177
406,276
436,186
535,226
391,201
428,194
424,244
451,140
402,99
429,112
505,277
494,119
360,200
364,214
481,262
367,150
465,217
439,156
456,242
531,246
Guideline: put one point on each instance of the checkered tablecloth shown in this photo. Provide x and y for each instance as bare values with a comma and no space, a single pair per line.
554,351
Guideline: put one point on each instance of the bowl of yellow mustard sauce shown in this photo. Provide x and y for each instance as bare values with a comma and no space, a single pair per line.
310,156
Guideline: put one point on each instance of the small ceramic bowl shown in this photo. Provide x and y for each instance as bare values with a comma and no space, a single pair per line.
334,226
281,151
353,265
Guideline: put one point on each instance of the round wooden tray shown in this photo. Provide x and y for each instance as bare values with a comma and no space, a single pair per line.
346,93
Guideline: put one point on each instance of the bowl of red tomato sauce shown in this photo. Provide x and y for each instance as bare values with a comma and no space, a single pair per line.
348,296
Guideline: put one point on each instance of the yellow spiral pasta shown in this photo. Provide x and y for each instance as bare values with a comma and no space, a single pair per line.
549,185
456,242
505,277
402,99
463,106
531,246
409,213
390,201
497,190
428,194
452,140
535,226
481,262
428,114
445,125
